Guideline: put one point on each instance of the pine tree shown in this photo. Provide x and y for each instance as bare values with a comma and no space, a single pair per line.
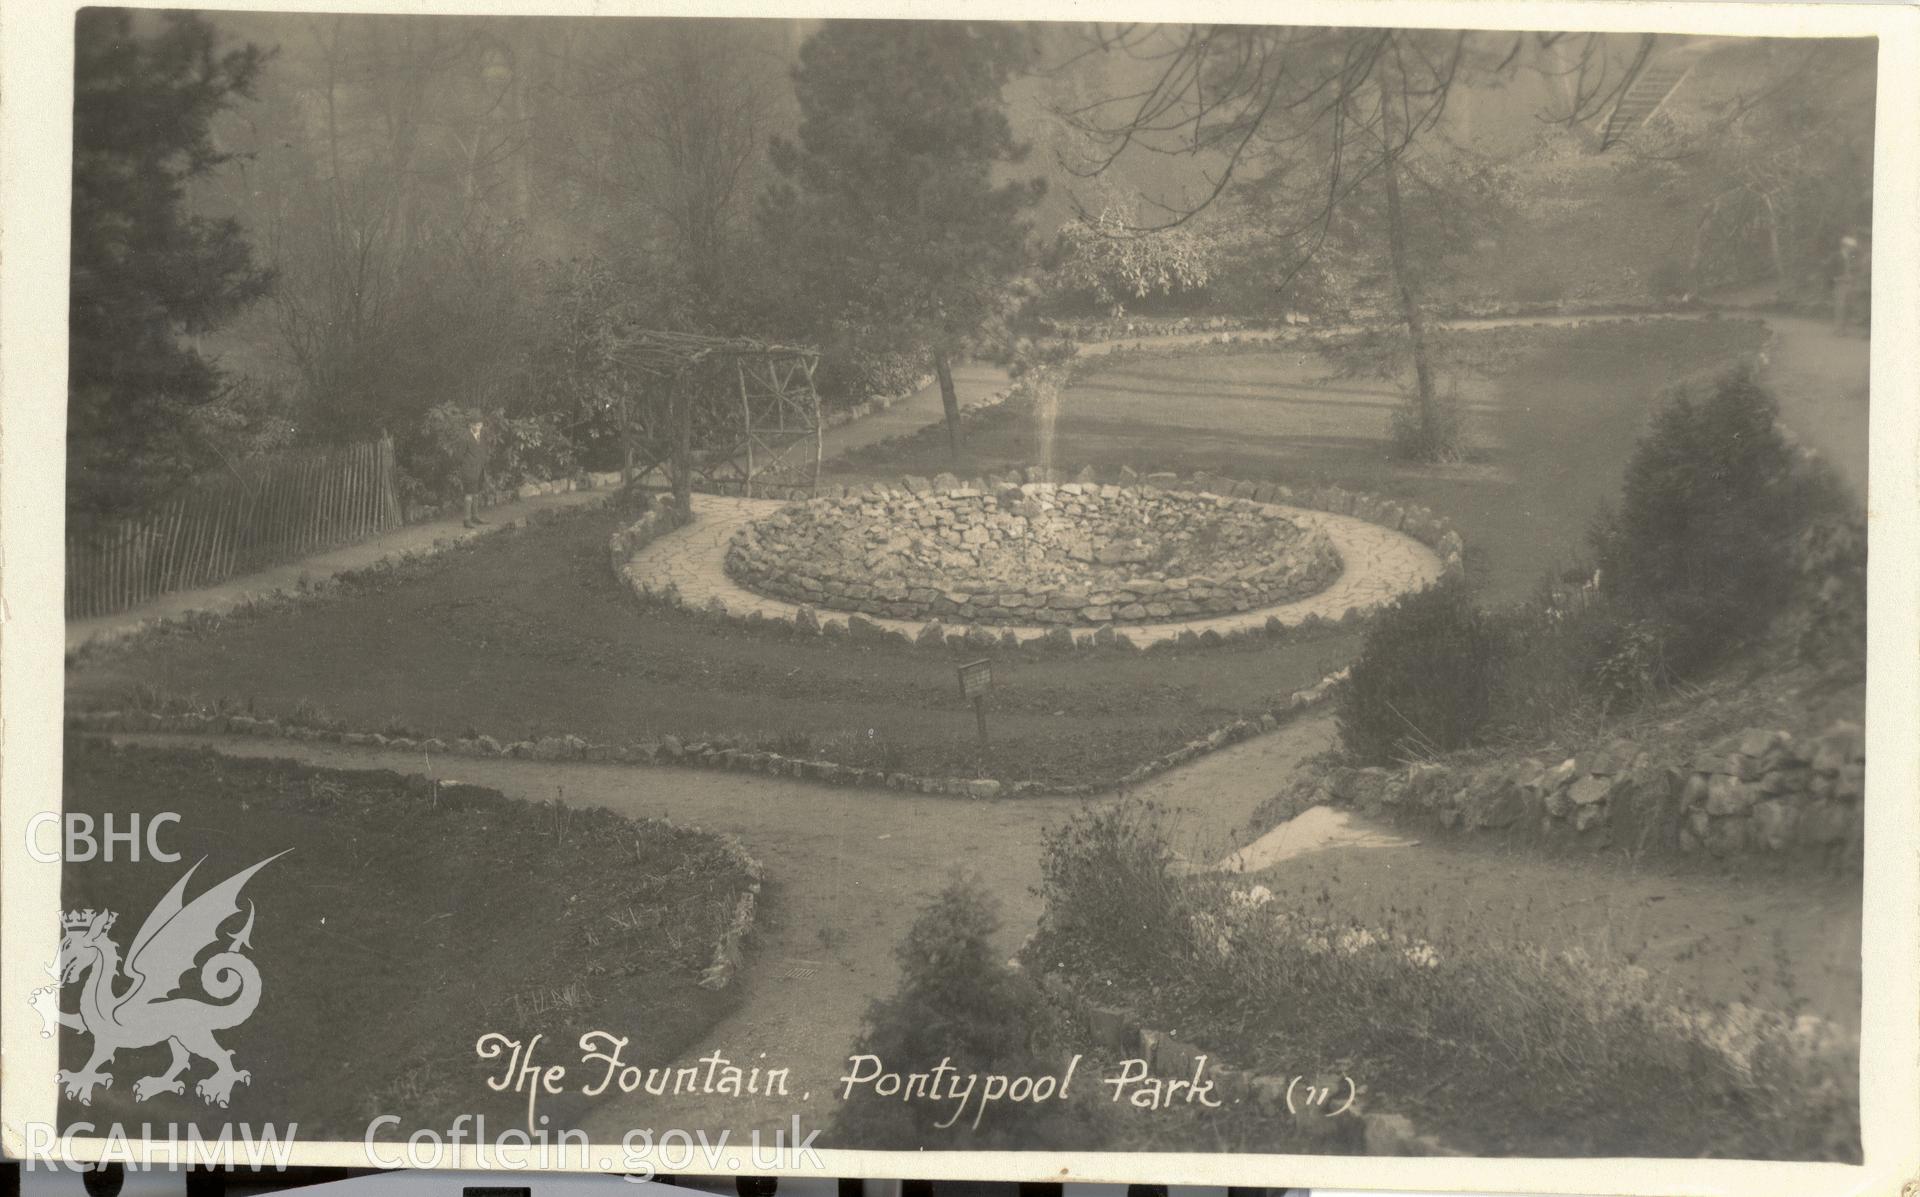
146,273
888,204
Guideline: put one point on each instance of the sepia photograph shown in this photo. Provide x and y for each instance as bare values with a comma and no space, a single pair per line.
958,586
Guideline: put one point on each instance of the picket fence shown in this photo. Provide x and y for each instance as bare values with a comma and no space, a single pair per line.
257,515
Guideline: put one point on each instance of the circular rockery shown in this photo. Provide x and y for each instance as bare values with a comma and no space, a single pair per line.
1037,553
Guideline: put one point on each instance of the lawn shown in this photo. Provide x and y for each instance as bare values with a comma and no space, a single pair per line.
1551,415
405,923
527,632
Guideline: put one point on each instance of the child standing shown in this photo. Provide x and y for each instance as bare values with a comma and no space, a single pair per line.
473,466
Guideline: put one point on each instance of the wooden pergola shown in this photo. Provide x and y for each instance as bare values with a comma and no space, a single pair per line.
727,409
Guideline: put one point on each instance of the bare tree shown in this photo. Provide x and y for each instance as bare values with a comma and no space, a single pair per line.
1773,142
381,184
667,129
1323,116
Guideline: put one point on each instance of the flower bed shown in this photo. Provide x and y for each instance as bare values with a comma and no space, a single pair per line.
1034,553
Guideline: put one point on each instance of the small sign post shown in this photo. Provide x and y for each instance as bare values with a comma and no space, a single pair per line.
976,678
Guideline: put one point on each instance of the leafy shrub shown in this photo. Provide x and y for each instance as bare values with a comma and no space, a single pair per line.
1575,654
1107,877
1671,277
1535,1043
525,449
1107,259
959,1002
1711,505
431,463
1425,679
852,369
531,448
1830,556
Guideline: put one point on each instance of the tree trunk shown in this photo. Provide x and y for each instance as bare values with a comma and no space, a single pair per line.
681,404
949,402
1773,247
1410,303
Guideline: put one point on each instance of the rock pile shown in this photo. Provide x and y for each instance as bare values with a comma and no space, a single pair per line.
1033,553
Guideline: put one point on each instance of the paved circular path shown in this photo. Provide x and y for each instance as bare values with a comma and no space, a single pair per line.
1379,564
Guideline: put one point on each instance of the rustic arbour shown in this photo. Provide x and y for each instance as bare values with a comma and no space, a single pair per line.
726,409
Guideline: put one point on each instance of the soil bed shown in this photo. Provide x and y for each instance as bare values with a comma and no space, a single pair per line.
528,633
406,922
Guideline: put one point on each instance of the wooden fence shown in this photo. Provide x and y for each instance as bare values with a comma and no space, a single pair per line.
259,515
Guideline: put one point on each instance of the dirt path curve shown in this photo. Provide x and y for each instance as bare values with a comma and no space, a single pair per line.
846,872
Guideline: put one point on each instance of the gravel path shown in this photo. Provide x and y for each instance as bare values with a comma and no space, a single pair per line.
1379,564
846,872
1821,382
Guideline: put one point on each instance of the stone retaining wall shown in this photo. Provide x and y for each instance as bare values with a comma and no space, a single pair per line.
1760,789
1033,553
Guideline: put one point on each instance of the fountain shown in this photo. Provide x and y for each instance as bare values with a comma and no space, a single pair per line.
1034,554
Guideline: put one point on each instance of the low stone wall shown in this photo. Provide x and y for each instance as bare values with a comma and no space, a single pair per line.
1033,553
1760,789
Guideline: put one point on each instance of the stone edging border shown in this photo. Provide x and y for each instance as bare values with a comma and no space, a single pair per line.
1125,329
717,753
730,948
1120,1029
1413,520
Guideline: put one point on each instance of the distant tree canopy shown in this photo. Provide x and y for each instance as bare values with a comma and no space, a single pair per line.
458,212
145,272
1321,128
1769,149
888,206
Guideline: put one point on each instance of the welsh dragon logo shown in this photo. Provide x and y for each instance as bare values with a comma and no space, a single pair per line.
146,1012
